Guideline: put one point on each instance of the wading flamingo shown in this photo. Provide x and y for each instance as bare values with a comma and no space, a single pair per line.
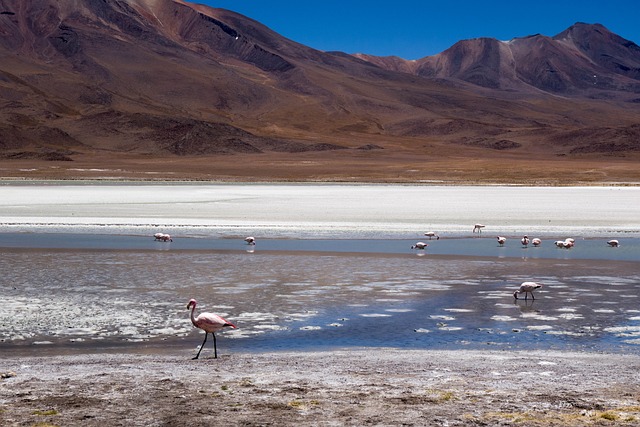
478,227
613,243
501,240
163,237
566,244
527,288
432,234
536,242
419,245
250,240
525,241
209,323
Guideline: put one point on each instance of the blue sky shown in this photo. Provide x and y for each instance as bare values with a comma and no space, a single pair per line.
414,29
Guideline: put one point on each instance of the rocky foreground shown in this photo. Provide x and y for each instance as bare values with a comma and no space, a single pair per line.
346,387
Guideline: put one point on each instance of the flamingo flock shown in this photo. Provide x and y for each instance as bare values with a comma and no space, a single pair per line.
565,244
211,323
163,237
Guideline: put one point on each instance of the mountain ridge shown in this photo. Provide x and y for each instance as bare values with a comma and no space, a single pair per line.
538,61
142,82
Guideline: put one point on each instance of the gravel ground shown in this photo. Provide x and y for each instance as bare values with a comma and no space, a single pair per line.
345,387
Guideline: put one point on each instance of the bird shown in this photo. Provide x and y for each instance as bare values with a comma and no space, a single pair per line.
527,288
432,234
525,241
209,323
478,227
250,240
613,243
536,242
163,237
566,244
419,245
501,240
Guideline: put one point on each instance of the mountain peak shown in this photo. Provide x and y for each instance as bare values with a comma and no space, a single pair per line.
82,79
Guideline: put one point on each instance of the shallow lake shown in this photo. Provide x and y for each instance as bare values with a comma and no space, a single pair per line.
82,272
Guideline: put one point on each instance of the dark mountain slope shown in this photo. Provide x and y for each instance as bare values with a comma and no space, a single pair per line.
96,79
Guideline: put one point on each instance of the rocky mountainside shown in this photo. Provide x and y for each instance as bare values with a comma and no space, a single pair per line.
83,79
583,61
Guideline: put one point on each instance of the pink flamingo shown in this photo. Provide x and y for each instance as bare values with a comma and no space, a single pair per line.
478,227
419,245
250,240
613,243
525,241
536,242
501,240
432,234
163,237
527,288
566,244
208,322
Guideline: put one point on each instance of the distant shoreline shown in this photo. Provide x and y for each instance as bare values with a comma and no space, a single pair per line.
426,183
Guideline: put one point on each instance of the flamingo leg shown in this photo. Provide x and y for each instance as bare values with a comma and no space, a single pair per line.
532,297
202,346
215,347
526,295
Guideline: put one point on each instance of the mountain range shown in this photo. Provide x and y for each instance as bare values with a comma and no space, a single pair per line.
170,89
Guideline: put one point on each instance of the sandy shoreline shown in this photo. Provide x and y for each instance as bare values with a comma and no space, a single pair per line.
344,387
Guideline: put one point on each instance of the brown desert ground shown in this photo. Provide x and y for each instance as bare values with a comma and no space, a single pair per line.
377,166
333,388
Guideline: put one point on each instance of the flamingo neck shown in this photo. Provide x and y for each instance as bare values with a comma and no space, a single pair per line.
193,316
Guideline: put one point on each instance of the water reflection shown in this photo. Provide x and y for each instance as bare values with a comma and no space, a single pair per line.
315,299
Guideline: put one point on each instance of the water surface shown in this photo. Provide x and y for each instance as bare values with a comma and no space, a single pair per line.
320,275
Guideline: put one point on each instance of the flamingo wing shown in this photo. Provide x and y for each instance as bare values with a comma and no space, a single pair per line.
210,322
529,286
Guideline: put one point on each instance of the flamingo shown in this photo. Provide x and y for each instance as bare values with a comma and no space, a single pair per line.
478,227
419,245
250,240
566,244
536,242
613,243
208,322
525,241
163,237
501,240
527,288
432,234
